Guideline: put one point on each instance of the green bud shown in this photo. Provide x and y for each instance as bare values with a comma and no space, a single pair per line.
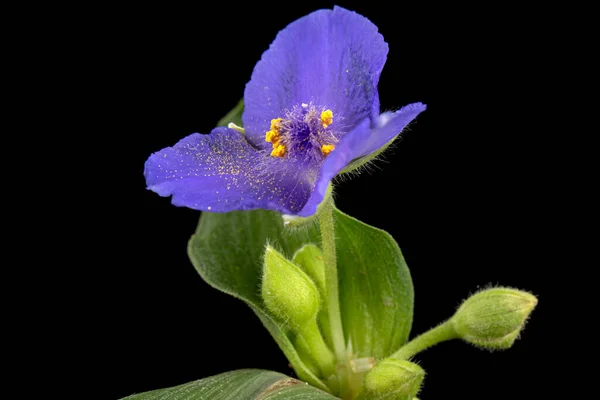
393,379
493,318
310,259
287,291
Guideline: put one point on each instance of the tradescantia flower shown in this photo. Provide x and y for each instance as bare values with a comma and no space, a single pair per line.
311,108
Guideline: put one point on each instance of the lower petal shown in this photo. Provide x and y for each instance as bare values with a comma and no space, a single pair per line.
387,126
222,172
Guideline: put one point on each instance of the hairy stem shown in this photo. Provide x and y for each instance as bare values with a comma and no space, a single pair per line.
326,222
318,349
440,333
331,277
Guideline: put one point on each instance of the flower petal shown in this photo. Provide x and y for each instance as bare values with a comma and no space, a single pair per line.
363,140
332,58
222,172
387,126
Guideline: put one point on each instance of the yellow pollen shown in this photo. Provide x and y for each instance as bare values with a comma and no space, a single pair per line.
276,124
326,118
272,136
278,150
327,148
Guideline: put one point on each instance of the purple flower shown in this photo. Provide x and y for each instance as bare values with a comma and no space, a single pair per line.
311,108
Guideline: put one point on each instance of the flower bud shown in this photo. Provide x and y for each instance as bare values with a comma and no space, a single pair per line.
393,379
493,318
310,259
287,291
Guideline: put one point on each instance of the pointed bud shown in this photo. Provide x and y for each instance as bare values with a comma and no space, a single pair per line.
310,259
287,291
493,318
393,379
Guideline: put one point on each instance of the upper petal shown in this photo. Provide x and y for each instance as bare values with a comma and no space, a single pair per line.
366,138
332,58
222,172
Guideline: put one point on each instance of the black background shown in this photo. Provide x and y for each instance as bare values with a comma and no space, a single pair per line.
463,193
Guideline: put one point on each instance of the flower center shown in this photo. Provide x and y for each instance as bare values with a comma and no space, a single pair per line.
303,131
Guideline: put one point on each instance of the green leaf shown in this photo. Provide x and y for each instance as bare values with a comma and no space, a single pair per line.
376,292
245,384
227,248
235,115
227,251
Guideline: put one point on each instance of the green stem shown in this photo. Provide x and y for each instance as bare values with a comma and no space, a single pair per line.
331,278
440,333
342,368
318,349
305,353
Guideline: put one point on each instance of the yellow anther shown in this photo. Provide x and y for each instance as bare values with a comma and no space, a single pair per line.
327,148
278,150
326,118
272,137
276,124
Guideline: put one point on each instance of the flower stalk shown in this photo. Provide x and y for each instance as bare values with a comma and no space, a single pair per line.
332,298
331,277
310,336
441,333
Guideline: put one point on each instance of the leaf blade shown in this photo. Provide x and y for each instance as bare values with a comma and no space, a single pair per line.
376,292
246,384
